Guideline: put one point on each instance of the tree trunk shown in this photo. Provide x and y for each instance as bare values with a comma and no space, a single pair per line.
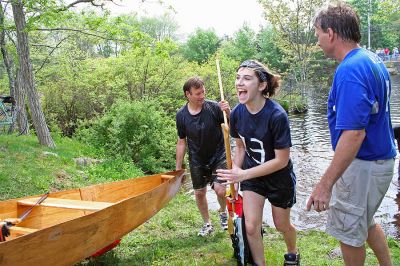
8,62
22,115
16,91
27,79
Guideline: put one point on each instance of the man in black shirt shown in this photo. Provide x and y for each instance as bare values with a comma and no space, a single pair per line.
199,126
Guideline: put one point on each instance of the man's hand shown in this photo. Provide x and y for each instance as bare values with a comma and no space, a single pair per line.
320,197
224,105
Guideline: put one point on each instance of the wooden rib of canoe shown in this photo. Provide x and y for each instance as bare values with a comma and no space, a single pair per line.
69,226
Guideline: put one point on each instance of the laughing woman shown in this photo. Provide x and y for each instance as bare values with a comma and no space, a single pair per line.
262,165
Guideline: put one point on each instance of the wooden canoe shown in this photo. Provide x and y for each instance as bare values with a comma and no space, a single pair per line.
69,226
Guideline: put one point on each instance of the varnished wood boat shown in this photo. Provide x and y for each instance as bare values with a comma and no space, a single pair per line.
69,226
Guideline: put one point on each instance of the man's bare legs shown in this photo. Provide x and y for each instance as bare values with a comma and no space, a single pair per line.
202,205
376,240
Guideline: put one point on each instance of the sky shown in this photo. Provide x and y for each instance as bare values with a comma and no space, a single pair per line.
224,16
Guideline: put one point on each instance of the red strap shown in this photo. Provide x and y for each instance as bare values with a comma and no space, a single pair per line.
107,248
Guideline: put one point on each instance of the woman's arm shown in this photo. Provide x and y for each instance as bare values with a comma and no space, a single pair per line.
240,152
237,174
280,161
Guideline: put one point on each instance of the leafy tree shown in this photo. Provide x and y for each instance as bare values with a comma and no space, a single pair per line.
243,45
76,90
159,28
45,13
269,51
201,45
385,22
293,22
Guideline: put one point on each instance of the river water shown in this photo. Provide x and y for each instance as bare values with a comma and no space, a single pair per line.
311,154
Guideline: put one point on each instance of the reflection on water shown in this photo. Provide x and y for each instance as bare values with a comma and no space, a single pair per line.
311,154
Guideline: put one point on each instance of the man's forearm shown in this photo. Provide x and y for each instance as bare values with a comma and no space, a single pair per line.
346,150
180,154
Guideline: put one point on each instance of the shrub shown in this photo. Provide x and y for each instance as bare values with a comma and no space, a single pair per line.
138,130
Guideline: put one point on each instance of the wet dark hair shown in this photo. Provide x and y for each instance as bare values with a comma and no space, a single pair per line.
193,82
264,75
342,19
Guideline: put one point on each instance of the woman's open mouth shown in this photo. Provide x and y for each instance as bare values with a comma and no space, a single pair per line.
241,94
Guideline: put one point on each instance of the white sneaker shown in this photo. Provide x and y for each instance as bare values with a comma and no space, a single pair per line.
223,217
206,230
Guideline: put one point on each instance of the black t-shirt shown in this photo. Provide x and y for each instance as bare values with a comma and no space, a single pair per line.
261,133
203,133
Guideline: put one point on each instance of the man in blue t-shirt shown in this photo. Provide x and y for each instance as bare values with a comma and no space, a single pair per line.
353,186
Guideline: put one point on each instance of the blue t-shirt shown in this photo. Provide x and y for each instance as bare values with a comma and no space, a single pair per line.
261,133
359,99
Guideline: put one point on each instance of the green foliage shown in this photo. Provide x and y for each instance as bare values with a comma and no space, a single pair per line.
76,90
385,22
243,45
292,103
293,23
201,45
160,28
269,52
138,130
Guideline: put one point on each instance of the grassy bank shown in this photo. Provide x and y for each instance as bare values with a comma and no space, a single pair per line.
28,168
170,237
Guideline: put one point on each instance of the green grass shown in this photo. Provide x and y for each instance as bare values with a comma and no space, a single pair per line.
170,237
27,170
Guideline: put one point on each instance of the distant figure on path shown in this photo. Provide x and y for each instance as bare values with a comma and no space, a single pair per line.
387,53
359,175
395,54
199,126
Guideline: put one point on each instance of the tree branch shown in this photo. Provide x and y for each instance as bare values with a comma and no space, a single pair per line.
85,32
48,56
92,2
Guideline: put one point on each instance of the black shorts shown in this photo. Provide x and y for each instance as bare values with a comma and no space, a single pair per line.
279,187
203,175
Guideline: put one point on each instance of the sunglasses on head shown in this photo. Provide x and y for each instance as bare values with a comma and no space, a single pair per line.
256,67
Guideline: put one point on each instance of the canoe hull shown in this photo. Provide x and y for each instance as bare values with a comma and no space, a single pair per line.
70,241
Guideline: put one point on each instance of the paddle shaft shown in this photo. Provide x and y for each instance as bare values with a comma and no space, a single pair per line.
15,221
225,130
27,212
221,90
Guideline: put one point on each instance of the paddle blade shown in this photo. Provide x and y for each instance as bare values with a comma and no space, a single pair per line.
230,225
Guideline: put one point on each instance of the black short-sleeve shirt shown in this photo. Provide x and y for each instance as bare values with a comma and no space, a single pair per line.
203,133
261,133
